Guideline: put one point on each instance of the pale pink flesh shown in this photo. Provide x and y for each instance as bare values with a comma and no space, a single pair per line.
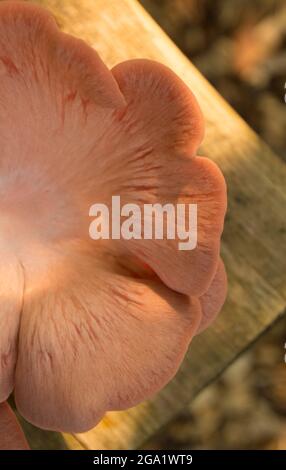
11,435
160,167
94,339
213,300
73,134
11,295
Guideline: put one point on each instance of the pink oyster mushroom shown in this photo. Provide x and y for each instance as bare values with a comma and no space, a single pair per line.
11,435
88,326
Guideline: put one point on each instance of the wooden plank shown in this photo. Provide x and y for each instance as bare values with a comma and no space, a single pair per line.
255,233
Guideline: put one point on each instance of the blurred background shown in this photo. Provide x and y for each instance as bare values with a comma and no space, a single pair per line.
240,47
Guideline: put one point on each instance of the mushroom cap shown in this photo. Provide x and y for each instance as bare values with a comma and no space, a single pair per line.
89,326
11,434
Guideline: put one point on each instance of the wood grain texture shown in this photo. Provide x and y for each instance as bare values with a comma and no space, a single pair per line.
255,232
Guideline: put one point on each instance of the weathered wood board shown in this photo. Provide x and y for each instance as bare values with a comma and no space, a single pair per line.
254,241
